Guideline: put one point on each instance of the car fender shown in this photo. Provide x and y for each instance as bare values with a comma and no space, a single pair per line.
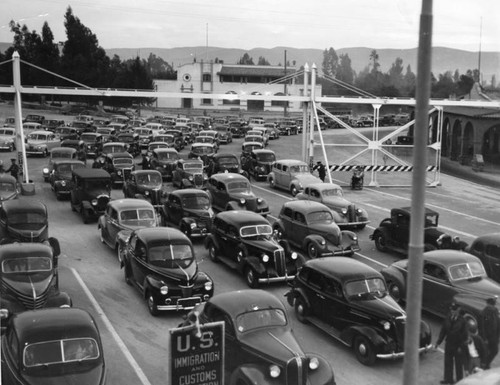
255,264
271,176
61,300
187,221
87,205
318,239
100,223
348,239
151,281
373,335
297,292
393,275
234,205
381,229
250,374
122,238
470,303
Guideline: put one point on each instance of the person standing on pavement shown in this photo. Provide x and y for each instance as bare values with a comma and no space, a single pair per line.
320,167
13,169
490,329
475,352
455,331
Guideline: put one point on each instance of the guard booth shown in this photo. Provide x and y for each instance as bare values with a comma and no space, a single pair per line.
477,162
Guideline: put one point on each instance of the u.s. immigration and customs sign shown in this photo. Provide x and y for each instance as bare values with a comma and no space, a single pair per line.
197,355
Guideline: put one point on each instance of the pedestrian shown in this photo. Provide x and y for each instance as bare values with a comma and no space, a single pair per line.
454,330
82,155
13,169
320,167
490,329
475,352
145,163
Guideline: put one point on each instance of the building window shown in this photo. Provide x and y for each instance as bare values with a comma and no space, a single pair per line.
207,77
232,99
206,101
279,103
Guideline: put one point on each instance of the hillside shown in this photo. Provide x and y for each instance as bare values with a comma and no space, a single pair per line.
443,59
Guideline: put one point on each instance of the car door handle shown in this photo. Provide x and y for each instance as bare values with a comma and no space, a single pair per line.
320,296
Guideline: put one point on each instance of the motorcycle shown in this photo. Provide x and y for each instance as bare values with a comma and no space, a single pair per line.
357,179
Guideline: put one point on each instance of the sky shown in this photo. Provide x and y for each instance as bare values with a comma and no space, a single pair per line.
461,24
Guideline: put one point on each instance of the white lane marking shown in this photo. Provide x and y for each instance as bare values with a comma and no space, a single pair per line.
133,363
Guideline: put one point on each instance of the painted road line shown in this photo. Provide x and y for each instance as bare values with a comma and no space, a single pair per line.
133,363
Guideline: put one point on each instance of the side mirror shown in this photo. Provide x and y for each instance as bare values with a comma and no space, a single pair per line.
56,248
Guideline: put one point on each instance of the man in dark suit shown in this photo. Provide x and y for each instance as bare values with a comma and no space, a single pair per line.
455,331
490,330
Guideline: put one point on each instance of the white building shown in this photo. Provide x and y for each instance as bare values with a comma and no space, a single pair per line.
233,80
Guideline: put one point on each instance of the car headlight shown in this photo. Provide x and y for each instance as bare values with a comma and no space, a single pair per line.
94,202
313,363
45,170
294,255
259,200
209,285
192,225
359,211
39,147
147,193
385,324
190,178
274,371
119,172
265,258
242,201
344,211
63,183
4,313
300,185
164,290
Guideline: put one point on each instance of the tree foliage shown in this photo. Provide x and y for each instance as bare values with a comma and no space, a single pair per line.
263,62
245,60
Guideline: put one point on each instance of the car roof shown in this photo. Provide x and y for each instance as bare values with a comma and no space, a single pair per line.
224,155
41,132
189,192
21,205
492,238
322,186
305,205
63,149
242,218
291,162
130,203
262,151
119,155
449,257
25,249
166,149
242,301
162,234
226,176
145,172
58,161
91,173
54,323
407,210
343,268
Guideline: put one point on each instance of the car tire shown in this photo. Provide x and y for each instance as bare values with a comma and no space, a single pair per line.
85,216
364,351
312,250
395,291
471,319
251,278
272,184
212,252
380,241
152,304
301,309
293,190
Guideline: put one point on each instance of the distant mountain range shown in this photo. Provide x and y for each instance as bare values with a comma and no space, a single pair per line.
443,59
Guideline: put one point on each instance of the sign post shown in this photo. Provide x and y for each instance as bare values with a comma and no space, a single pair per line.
197,354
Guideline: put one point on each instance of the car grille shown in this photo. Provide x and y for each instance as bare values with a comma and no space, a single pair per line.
205,220
27,301
399,325
280,262
198,180
251,204
187,291
126,173
102,201
351,213
296,371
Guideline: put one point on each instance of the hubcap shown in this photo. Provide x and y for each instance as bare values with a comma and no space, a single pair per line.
362,349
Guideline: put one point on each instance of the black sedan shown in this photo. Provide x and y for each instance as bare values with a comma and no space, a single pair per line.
449,276
349,300
53,347
161,264
260,346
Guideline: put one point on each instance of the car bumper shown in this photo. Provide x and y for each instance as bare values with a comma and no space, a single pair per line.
5,146
182,303
35,152
394,355
286,278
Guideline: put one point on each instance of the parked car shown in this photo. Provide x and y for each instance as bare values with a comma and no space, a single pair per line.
310,227
108,133
257,163
345,213
8,138
230,191
224,162
202,150
260,346
169,139
34,118
76,144
152,146
161,264
91,192
145,136
179,139
131,139
225,133
68,132
213,133
41,142
393,234
487,249
31,127
189,173
93,143
252,139
144,184
243,240
272,130
58,153
53,124
112,147
8,188
287,127
248,147
448,276
348,300
190,210
291,175
121,217
60,178
164,161
52,346
119,165
35,263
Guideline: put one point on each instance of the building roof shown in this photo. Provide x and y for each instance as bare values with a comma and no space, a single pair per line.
474,112
255,70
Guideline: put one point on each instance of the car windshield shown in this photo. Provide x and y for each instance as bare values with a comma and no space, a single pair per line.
6,132
123,161
151,147
203,139
66,169
167,155
468,270
250,147
333,192
261,318
258,139
26,265
303,168
203,150
193,167
365,287
431,220
7,187
88,138
240,185
27,220
320,217
266,157
228,161
61,155
196,202
138,217
171,256
253,231
60,351
37,137
113,149
143,132
67,130
95,185
149,179
166,139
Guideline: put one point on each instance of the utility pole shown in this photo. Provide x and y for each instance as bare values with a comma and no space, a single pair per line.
285,105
